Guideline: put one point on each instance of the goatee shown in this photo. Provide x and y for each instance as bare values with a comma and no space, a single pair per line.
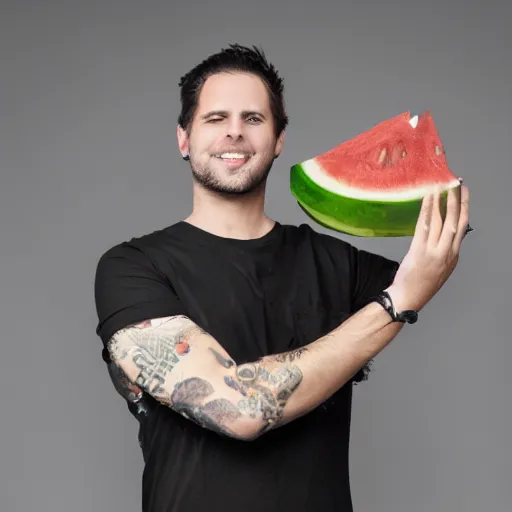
248,183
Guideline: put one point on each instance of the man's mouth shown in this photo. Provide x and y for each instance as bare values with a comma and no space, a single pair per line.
233,158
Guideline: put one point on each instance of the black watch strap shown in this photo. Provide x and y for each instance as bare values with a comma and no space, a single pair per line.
409,316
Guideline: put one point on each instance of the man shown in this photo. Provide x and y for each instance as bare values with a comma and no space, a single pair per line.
236,339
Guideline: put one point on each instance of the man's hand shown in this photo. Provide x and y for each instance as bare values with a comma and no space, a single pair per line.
434,251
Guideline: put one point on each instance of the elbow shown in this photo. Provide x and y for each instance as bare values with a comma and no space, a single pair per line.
243,429
249,430
240,428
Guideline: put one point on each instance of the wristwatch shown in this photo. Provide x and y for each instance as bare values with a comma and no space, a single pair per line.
409,316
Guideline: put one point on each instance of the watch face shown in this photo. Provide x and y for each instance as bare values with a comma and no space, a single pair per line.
410,316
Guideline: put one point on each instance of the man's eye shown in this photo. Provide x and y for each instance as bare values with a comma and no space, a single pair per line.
215,119
254,119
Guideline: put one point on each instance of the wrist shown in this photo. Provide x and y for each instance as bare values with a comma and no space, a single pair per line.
400,300
392,301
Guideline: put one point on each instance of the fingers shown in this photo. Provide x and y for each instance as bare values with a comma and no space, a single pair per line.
423,223
463,219
430,228
451,222
436,224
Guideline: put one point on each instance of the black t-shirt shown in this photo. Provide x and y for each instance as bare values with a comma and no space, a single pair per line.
255,297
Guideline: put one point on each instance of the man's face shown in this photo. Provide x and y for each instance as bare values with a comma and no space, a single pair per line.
232,141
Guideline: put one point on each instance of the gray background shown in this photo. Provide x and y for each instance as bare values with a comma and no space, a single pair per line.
88,103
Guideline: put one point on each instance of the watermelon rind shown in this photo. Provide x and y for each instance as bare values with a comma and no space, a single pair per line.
363,213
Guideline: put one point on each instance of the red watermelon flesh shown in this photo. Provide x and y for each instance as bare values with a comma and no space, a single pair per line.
372,184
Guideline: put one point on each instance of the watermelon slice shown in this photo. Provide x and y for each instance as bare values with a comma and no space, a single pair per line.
373,185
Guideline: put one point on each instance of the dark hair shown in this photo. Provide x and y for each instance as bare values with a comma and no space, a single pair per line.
234,58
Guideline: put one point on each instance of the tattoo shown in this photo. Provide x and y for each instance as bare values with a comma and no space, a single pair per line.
232,383
290,356
129,391
187,400
247,373
155,347
266,395
191,390
221,410
227,363
266,392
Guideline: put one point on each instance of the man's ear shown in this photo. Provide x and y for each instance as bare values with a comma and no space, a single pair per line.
280,144
182,137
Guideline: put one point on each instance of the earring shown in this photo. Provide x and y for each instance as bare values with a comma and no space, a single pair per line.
185,157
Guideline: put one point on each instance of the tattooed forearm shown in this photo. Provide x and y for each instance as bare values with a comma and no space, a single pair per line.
209,388
263,393
265,390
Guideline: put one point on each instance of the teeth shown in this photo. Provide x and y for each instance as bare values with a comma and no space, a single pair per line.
231,155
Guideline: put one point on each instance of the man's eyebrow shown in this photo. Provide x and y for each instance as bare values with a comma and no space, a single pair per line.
214,113
225,113
247,113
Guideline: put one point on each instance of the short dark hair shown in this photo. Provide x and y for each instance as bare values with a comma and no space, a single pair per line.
234,58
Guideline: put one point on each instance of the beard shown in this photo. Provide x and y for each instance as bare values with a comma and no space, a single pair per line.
243,181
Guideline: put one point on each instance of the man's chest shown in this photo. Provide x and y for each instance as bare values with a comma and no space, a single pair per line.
262,304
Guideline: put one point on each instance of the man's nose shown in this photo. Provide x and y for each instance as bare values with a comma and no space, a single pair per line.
235,128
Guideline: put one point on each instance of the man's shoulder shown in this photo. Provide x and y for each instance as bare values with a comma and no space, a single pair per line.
139,246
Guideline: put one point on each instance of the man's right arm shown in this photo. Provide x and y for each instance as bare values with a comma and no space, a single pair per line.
189,371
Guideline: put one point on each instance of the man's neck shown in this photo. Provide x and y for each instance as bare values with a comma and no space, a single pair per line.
242,218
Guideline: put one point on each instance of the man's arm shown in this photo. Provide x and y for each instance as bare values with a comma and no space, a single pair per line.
186,369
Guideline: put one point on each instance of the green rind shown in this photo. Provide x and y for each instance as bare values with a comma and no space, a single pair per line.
364,218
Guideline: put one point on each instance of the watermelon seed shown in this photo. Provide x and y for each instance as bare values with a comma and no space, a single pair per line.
389,160
382,155
438,150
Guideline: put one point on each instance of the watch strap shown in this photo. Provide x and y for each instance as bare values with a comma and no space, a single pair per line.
409,316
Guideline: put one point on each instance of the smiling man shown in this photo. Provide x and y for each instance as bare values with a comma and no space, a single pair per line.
236,162
235,339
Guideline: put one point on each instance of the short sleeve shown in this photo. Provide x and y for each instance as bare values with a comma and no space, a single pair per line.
371,274
128,289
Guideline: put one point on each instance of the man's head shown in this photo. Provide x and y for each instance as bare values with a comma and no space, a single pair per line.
232,120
